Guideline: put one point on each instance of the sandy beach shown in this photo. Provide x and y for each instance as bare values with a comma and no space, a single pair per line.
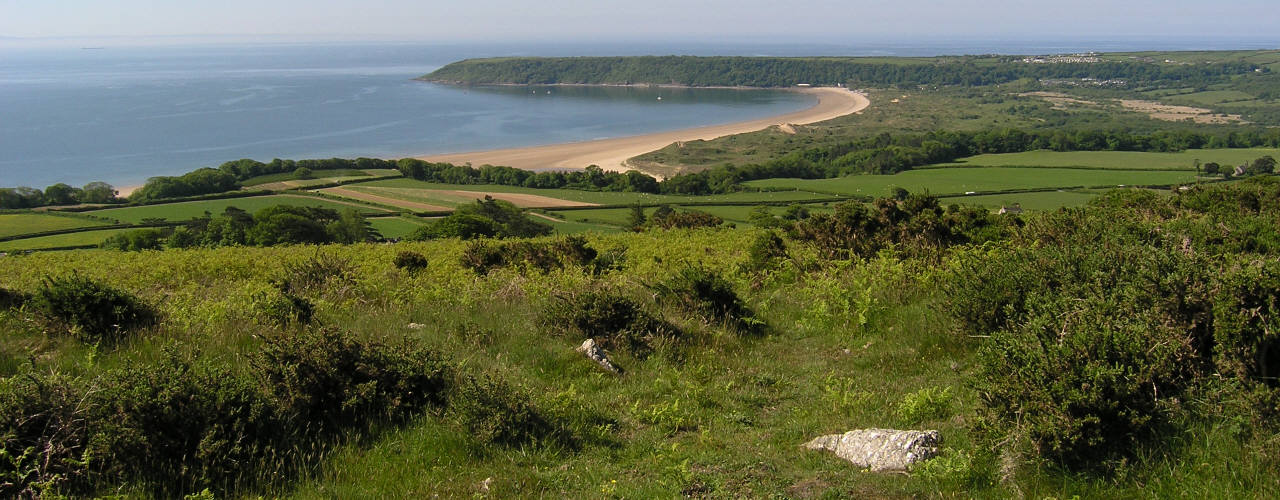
612,154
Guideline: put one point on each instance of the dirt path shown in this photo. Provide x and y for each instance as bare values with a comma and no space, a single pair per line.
612,154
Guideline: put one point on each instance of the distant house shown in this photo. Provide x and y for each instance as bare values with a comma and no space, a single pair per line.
1015,209
1240,170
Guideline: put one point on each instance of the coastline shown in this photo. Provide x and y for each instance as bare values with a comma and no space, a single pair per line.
612,154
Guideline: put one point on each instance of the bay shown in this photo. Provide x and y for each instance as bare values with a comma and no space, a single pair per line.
125,114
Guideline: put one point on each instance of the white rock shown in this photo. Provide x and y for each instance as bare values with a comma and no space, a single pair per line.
593,351
416,326
880,449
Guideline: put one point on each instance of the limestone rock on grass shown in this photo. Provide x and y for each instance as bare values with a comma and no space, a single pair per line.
593,351
880,450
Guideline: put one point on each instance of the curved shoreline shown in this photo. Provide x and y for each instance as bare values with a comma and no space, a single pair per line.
612,154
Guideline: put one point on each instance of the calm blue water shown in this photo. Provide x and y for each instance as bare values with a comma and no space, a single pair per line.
125,114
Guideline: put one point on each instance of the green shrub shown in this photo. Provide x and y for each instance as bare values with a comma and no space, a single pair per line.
12,299
1083,379
284,308
612,320
484,256
765,252
317,274
179,426
330,380
137,240
493,412
410,261
700,291
1246,323
683,220
92,311
44,436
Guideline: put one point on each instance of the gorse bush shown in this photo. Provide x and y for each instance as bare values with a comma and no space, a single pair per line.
183,425
330,380
314,275
706,294
612,320
90,310
12,299
282,307
410,261
483,256
493,412
1085,381
44,436
765,252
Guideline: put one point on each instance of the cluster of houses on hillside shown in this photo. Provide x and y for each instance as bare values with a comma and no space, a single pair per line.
1087,58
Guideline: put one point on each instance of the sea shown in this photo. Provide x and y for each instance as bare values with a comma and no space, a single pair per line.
123,111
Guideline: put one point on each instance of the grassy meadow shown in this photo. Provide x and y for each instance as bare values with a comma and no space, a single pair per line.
1117,160
85,238
957,181
25,223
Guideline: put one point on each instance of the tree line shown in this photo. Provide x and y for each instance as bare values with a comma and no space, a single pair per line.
892,153
274,225
790,71
56,194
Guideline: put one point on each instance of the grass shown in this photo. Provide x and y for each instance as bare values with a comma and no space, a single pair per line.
290,176
1050,200
603,198
60,240
952,181
187,210
1119,160
16,224
396,227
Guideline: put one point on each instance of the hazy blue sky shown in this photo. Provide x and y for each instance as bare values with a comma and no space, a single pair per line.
755,20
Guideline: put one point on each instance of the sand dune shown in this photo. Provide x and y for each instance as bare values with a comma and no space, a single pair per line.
612,154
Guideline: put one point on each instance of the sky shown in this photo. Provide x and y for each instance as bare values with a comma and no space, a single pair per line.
775,21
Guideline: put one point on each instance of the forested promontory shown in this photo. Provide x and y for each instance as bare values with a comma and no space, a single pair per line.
790,71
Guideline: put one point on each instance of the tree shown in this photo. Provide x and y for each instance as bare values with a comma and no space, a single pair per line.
637,218
61,194
351,227
458,225
302,173
1264,165
98,192
1211,168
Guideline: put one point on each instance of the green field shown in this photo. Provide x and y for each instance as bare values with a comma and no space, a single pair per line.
15,224
1120,160
952,181
60,240
1048,200
188,209
278,181
603,198
396,227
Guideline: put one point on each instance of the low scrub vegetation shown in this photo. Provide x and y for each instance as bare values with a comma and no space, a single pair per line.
1121,349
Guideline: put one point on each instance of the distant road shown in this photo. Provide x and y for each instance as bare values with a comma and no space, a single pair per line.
612,154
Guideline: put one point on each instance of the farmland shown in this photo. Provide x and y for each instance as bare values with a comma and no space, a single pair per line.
25,223
1118,160
186,210
85,238
955,181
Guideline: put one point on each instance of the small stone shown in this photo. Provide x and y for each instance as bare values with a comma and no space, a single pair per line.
593,351
416,326
880,449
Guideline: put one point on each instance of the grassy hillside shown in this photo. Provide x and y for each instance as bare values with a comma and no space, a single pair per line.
855,321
